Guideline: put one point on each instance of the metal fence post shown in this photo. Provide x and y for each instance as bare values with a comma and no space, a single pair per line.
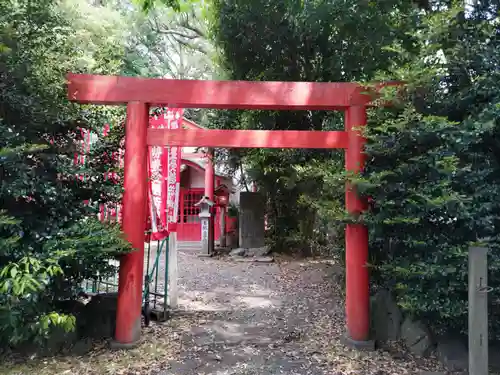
478,311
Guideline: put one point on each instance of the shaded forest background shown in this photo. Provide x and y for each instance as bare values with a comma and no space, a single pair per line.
432,169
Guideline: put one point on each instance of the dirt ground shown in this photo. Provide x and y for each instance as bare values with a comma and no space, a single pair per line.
280,318
285,317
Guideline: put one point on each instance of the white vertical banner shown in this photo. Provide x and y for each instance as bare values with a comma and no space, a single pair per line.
173,117
156,183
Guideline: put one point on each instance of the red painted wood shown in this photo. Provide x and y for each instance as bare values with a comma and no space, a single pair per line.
356,238
248,138
230,224
193,155
209,175
189,227
193,165
218,213
357,300
128,316
355,121
98,89
188,124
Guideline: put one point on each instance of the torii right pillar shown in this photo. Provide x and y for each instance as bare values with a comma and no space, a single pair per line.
356,238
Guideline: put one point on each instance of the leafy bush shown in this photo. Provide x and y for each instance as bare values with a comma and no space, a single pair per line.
49,237
433,171
24,313
84,252
31,286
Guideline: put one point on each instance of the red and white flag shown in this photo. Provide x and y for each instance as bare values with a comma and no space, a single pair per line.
164,172
174,118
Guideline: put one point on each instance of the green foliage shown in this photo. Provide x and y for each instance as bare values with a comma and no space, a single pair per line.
165,43
433,170
147,5
84,250
29,286
22,285
168,43
49,239
232,210
294,41
177,5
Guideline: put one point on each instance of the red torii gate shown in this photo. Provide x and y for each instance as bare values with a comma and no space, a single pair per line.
140,93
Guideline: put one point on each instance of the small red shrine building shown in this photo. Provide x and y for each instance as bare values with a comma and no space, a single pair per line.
192,188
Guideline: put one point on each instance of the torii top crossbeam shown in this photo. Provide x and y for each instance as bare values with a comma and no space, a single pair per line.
113,90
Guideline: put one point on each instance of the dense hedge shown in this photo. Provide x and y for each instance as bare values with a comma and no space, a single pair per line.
434,171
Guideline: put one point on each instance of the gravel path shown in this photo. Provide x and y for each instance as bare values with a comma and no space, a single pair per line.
266,319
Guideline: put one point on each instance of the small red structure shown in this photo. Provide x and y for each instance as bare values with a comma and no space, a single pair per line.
192,189
198,178
222,196
139,94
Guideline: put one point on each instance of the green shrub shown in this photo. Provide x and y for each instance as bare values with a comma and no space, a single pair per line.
49,238
31,286
433,171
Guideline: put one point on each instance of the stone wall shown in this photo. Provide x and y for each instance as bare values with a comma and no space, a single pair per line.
389,324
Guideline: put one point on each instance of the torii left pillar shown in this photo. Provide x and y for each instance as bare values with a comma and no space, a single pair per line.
128,314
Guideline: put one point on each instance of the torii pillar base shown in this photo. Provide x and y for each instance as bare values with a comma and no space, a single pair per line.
364,346
115,345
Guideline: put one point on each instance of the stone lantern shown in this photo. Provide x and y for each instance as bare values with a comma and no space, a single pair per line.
205,205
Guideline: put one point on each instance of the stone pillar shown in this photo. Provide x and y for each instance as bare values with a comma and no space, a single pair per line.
205,233
251,220
173,271
222,240
478,310
209,193
205,214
